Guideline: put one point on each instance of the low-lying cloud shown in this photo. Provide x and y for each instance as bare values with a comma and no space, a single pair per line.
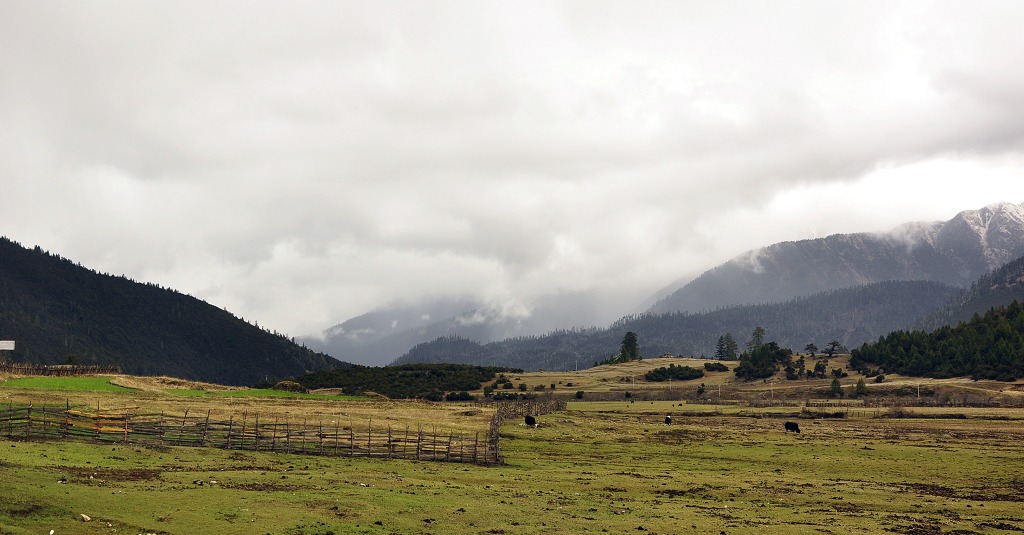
302,164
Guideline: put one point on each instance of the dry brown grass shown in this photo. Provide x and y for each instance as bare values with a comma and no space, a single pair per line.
163,383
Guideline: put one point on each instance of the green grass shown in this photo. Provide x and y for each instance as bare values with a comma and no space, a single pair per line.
94,384
590,469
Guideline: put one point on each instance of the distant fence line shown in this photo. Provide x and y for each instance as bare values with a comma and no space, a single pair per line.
251,432
57,369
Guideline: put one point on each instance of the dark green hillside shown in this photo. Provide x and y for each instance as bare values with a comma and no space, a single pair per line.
986,347
1001,287
405,381
55,310
850,316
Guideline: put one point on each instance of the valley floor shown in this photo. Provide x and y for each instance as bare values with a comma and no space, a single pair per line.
595,467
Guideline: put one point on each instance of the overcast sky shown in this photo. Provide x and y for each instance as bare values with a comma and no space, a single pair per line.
300,163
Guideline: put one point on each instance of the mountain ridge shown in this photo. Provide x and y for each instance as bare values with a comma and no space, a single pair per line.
954,252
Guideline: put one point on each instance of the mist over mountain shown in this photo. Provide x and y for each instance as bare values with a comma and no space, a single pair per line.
851,316
381,336
956,252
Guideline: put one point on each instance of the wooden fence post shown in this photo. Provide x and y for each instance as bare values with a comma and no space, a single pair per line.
241,440
181,430
206,427
419,440
337,433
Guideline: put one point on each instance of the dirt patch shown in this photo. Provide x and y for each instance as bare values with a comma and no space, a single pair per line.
26,511
261,487
930,490
112,474
1004,526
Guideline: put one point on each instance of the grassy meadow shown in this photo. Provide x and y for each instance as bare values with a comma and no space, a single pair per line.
596,467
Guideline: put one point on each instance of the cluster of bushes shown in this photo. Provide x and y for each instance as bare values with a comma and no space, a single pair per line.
715,367
673,372
428,381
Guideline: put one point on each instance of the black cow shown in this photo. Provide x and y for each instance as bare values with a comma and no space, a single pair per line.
531,421
792,426
668,420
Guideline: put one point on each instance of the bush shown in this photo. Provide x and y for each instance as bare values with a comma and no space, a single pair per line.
522,387
579,394
539,387
715,367
289,386
460,396
879,378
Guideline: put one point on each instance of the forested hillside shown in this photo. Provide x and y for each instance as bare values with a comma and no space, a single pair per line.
1001,287
58,311
986,347
851,316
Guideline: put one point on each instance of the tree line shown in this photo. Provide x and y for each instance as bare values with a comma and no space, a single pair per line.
989,346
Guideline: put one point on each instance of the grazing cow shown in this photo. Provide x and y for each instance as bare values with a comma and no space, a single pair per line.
531,421
668,420
792,426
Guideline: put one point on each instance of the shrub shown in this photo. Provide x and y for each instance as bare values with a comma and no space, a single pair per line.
715,367
879,378
579,394
460,396
522,387
289,386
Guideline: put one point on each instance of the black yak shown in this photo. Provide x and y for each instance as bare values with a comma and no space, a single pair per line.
792,426
668,420
531,421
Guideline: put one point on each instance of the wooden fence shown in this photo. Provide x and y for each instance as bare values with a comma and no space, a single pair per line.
56,369
246,432
250,432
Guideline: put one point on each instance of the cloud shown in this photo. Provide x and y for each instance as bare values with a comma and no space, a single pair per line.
302,164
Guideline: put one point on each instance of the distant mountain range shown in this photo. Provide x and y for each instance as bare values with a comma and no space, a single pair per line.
850,316
56,310
851,288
